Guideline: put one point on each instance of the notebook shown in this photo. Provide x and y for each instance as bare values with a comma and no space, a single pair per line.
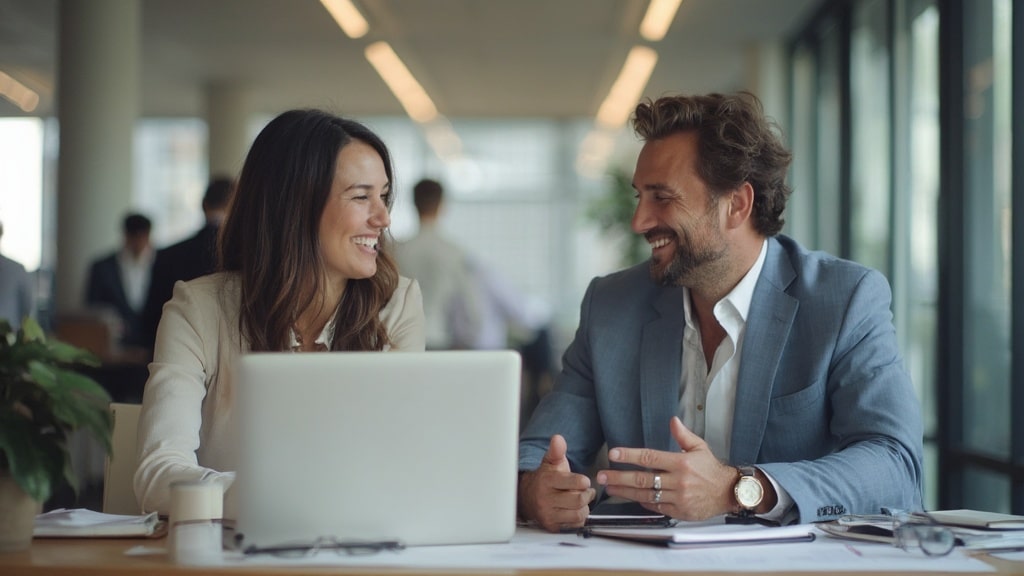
418,447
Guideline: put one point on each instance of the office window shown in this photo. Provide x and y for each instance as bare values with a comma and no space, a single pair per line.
814,211
987,248
871,133
514,201
986,490
916,177
21,189
170,176
801,210
828,139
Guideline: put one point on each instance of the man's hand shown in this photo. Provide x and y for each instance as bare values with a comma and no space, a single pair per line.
694,484
552,495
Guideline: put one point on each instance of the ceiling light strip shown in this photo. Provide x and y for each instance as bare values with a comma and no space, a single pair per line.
626,91
22,96
348,17
403,85
659,16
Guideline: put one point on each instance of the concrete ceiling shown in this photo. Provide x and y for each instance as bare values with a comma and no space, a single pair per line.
476,58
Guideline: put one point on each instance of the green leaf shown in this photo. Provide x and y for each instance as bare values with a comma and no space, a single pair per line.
6,330
68,354
31,331
613,214
42,400
34,460
43,375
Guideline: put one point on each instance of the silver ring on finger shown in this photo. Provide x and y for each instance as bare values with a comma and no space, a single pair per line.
657,482
657,497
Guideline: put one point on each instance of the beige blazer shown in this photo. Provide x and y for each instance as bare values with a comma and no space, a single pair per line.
186,428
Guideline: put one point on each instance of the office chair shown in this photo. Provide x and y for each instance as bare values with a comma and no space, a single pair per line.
118,494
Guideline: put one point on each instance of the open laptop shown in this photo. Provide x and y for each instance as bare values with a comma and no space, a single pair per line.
418,447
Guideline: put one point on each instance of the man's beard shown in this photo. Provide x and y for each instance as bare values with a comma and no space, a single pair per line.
690,262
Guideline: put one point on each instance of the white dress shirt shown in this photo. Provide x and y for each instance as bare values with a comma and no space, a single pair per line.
135,273
708,396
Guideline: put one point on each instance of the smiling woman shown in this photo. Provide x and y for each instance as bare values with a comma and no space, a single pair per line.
305,267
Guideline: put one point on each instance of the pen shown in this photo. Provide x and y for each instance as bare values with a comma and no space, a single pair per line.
854,550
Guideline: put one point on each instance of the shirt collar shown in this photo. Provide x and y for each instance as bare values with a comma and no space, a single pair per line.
322,342
126,258
740,296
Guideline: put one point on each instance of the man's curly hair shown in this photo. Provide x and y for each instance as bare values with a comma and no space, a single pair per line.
736,143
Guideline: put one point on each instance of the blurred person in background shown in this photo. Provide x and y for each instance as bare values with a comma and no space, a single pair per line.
17,294
191,258
120,280
451,299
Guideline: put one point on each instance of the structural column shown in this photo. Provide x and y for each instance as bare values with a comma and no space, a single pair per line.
98,103
227,119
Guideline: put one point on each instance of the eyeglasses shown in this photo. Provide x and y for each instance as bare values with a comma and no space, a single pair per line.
909,530
327,543
917,530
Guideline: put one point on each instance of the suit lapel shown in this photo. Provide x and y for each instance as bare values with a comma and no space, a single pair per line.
767,330
660,365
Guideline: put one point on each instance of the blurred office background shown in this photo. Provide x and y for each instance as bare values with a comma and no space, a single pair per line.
900,114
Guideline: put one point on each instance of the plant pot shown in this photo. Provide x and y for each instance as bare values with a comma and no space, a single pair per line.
18,511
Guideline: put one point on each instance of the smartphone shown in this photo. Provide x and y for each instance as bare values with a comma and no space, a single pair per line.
635,521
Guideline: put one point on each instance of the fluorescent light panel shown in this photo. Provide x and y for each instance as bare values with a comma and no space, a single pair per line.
22,96
348,17
659,16
403,85
623,96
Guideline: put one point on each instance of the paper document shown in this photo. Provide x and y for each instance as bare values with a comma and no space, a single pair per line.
702,535
83,523
979,519
867,530
534,549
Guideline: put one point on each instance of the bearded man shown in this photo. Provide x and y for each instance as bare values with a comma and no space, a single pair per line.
735,372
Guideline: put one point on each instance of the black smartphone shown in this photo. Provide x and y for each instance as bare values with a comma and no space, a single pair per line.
651,521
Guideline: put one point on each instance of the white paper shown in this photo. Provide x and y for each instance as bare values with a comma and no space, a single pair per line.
531,548
701,534
83,523
979,519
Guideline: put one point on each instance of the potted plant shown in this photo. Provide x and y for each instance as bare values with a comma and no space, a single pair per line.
613,213
42,400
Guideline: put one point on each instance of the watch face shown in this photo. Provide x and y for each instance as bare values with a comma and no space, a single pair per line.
748,492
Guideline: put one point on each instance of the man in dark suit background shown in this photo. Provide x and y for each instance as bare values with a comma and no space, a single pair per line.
120,280
191,258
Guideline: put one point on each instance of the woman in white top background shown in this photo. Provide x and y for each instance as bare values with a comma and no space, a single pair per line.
305,266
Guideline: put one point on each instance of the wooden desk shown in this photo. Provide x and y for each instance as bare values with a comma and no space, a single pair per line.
103,557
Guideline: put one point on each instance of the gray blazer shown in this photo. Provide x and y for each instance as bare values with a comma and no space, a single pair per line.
823,403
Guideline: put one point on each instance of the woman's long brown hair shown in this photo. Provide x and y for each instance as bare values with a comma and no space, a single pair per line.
271,234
